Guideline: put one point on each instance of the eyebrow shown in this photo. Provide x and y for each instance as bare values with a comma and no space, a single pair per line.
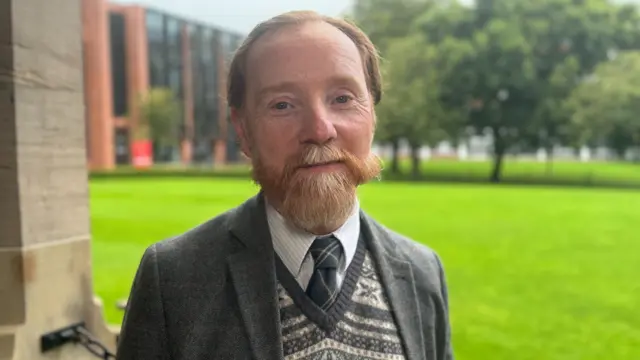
279,87
343,80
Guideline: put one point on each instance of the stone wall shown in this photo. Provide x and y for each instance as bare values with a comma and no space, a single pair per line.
45,248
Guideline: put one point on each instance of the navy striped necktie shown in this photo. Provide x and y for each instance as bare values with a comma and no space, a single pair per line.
327,254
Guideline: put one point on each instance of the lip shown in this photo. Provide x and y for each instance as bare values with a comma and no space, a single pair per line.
328,163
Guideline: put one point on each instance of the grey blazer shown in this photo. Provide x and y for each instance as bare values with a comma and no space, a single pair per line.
210,293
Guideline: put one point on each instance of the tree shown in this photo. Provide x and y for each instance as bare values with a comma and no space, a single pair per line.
445,20
386,20
486,70
526,57
551,123
490,75
447,27
569,38
159,117
410,108
505,67
605,105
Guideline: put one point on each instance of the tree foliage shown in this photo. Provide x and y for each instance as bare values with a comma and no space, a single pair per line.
506,67
411,110
159,117
606,105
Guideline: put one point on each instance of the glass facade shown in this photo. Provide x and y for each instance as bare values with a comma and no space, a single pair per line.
210,84
165,52
231,43
174,56
155,38
204,57
165,34
202,142
118,64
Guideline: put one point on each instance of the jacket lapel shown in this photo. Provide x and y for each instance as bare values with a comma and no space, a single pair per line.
253,275
397,279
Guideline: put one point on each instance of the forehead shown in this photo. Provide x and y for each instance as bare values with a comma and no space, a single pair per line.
309,53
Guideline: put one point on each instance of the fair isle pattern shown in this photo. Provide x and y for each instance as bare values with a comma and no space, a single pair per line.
367,330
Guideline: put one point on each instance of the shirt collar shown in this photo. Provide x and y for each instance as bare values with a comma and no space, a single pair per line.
292,244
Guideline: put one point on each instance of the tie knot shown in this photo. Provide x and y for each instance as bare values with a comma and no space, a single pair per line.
326,252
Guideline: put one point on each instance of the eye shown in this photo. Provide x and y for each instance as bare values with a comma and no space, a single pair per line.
282,105
343,99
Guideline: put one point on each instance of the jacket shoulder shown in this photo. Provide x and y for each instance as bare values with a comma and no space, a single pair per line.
425,262
414,250
407,248
207,244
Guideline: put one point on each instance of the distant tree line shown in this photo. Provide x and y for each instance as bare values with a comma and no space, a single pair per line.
533,73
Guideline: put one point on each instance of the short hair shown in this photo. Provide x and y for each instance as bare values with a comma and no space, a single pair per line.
236,81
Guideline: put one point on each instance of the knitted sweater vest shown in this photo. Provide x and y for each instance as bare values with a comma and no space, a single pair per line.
358,326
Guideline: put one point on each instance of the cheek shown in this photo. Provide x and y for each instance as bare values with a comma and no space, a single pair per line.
357,138
275,144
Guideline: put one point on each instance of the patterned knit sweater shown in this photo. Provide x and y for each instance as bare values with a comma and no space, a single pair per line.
358,326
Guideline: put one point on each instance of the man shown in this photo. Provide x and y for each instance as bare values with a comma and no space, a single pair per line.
299,271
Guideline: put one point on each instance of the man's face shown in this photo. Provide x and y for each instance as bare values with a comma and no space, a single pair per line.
308,123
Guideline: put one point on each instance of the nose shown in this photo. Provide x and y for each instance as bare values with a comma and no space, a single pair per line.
318,128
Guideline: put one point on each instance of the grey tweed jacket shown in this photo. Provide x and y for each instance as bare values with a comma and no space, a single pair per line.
210,293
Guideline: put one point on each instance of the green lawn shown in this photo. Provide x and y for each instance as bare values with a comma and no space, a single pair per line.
534,273
514,171
591,172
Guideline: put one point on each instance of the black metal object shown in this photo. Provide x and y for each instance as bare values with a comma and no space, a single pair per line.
59,337
93,345
77,334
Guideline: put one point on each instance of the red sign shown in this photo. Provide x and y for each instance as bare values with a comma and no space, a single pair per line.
142,154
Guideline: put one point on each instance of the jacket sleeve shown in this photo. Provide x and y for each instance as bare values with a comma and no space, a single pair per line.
448,350
143,334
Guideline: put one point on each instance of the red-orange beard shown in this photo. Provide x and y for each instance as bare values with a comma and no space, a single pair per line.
316,202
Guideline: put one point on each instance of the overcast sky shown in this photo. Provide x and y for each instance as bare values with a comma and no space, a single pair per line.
241,15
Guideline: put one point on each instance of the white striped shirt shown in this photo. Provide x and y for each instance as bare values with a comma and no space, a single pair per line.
292,244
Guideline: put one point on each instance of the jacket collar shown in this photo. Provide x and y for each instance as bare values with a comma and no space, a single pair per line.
253,273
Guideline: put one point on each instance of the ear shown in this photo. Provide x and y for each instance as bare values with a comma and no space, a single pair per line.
239,121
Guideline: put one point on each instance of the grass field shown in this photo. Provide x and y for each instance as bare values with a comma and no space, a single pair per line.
592,172
610,174
534,273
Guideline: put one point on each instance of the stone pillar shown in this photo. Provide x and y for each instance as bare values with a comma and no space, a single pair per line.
45,253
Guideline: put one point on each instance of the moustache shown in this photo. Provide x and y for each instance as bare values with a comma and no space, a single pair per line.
314,155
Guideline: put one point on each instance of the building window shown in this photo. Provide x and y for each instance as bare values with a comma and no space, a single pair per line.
202,141
214,76
118,64
165,66
210,98
156,49
173,47
155,26
122,146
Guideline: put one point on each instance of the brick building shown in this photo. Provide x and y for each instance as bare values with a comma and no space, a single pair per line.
128,50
